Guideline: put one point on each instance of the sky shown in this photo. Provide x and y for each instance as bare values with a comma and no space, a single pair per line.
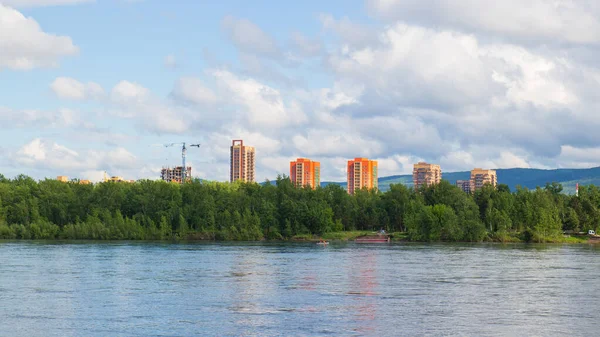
88,87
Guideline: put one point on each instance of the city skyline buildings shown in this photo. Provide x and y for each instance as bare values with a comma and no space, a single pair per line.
305,172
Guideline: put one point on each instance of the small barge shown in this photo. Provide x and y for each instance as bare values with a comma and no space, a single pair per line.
380,238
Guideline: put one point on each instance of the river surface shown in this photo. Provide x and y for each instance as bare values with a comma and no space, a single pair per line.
164,289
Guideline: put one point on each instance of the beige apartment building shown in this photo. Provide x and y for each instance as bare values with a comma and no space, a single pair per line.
425,174
362,172
480,177
242,161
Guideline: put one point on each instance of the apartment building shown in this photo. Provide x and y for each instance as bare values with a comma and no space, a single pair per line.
175,174
464,185
242,162
480,177
305,172
362,172
425,174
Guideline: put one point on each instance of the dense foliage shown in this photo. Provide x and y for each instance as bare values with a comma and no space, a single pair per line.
147,209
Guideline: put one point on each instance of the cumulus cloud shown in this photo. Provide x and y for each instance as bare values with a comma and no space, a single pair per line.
70,88
32,118
133,101
539,21
248,37
262,106
193,90
42,153
306,46
419,67
25,45
128,92
351,33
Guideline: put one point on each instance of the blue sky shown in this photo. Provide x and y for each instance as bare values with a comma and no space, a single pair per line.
94,86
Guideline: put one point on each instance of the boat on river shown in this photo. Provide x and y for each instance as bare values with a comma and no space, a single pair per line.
377,238
323,243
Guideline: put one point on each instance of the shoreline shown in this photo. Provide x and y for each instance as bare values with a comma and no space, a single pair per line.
332,237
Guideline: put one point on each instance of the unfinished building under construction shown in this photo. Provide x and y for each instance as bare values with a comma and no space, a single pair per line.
173,175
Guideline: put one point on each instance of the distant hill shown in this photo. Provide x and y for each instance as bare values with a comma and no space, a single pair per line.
530,178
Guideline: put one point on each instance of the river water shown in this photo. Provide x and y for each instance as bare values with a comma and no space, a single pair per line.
163,289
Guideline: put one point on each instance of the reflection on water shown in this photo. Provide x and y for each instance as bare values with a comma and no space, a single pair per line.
363,286
150,289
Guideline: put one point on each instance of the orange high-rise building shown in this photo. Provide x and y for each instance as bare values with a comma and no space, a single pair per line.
242,160
426,174
362,172
305,172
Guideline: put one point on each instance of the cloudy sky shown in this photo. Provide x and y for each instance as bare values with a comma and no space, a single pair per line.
91,86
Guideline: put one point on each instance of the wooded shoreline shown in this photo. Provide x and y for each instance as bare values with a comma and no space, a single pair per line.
155,210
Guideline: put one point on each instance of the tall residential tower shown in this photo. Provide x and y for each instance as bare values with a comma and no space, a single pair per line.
242,160
480,177
305,172
426,174
362,172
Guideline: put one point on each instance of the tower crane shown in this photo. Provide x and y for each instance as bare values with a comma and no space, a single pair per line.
183,153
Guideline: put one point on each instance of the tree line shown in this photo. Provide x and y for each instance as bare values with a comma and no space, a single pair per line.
156,210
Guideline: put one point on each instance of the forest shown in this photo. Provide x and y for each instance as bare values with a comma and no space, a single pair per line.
277,210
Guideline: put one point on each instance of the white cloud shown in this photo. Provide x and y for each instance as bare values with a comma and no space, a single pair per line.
510,160
306,46
133,101
577,157
396,165
248,37
531,78
351,33
534,21
324,142
31,118
193,90
415,66
70,88
46,154
129,92
261,105
25,46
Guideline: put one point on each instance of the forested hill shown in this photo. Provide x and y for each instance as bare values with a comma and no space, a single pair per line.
530,178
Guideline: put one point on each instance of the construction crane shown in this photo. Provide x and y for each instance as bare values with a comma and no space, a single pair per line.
183,153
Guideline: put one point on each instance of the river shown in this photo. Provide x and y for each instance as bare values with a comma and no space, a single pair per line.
291,289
